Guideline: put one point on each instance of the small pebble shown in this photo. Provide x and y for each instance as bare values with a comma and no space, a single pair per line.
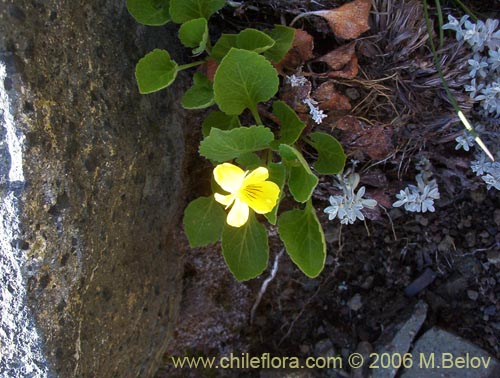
422,220
447,244
470,239
368,283
473,295
355,302
484,235
478,195
493,257
324,348
490,310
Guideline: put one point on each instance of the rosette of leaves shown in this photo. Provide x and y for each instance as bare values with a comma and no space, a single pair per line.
245,77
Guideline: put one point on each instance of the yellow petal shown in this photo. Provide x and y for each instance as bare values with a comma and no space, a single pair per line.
238,215
229,177
261,197
257,175
225,200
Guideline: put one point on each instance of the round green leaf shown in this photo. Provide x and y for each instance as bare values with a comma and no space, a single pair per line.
290,124
203,221
224,145
185,10
301,181
194,34
243,79
277,174
254,40
200,95
149,12
219,120
249,161
155,71
304,239
283,35
245,249
331,157
223,45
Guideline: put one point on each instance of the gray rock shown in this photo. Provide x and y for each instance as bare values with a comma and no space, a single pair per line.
441,354
90,266
399,340
355,303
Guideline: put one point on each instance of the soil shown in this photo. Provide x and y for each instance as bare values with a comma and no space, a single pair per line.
375,270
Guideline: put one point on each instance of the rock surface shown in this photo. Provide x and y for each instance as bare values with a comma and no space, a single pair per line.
400,339
441,354
91,281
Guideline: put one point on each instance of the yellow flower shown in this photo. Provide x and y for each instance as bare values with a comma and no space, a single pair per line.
245,190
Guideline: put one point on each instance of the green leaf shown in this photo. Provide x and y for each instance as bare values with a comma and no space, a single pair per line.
185,10
155,71
304,239
224,145
243,79
254,40
283,35
249,161
277,174
291,126
223,45
194,34
245,249
301,181
331,157
203,221
200,95
248,39
219,120
149,12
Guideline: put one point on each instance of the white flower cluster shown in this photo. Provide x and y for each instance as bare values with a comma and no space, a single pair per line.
348,206
484,67
489,171
464,141
419,198
296,80
316,114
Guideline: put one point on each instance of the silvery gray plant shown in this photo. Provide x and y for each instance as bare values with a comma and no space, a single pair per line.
484,70
347,207
484,67
489,171
420,198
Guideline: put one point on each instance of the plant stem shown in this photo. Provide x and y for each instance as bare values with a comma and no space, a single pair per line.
466,10
189,65
256,115
440,22
452,99
208,47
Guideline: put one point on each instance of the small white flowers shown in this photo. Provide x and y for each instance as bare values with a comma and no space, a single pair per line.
316,114
348,206
464,141
484,67
488,171
478,65
477,35
418,198
296,80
